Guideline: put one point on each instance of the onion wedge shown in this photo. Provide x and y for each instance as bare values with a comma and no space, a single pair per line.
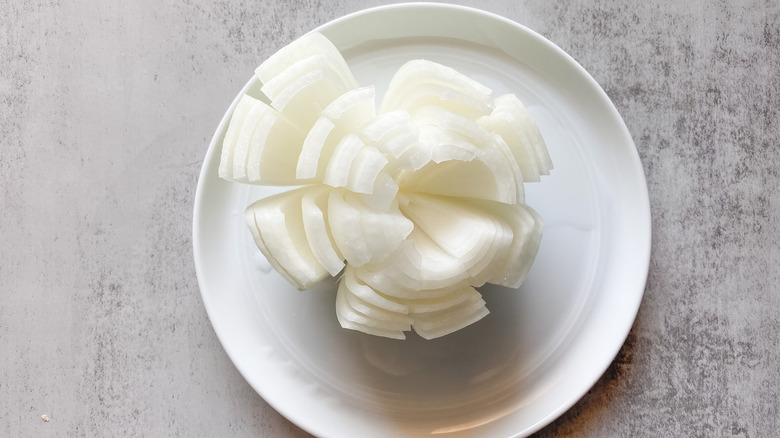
277,225
343,116
511,120
261,146
418,83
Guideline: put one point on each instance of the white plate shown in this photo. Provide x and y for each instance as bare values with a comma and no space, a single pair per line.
540,349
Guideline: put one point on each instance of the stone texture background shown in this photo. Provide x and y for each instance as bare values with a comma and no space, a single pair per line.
106,111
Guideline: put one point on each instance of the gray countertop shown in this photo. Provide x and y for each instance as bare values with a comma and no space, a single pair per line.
107,111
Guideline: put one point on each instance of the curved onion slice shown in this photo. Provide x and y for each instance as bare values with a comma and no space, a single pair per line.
321,137
451,122
243,108
444,322
527,226
418,264
363,234
459,306
337,172
304,77
511,104
308,45
461,169
305,97
343,116
418,83
276,223
393,133
261,145
383,229
349,318
314,209
344,221
511,120
388,281
454,295
375,307
274,86
354,108
466,232
365,169
371,296
345,311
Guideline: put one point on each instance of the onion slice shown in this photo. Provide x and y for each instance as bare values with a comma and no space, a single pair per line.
527,227
261,146
311,44
276,223
511,120
459,168
304,77
314,209
419,82
345,115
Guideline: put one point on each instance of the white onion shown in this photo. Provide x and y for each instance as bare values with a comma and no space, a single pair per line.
511,120
314,209
278,222
345,115
345,152
418,83
415,206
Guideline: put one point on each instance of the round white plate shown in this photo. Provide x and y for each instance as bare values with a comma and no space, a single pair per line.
541,348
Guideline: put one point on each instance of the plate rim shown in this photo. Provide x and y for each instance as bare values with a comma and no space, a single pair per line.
643,254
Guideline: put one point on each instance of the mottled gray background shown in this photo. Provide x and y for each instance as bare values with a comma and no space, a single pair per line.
106,110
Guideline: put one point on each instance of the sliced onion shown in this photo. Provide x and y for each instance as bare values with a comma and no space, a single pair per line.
370,295
383,229
419,264
365,169
353,109
415,206
510,103
243,107
349,313
393,133
527,226
304,99
350,319
314,208
308,45
345,115
452,171
510,120
287,76
454,295
345,227
468,234
242,144
319,142
383,194
273,151
445,322
396,286
452,122
261,145
337,172
418,83
277,223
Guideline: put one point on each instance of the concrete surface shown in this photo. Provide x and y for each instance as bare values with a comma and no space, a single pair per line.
107,109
